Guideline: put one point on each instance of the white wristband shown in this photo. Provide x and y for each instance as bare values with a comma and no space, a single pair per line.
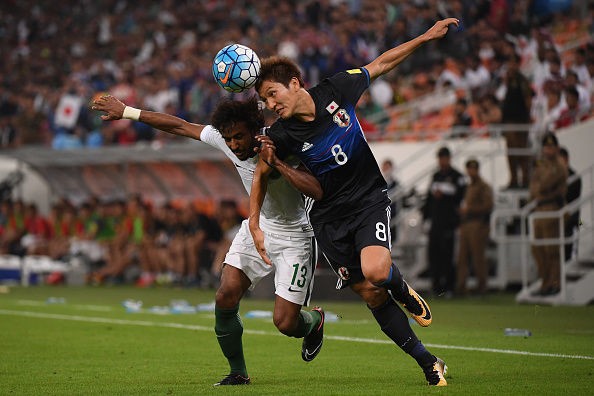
131,113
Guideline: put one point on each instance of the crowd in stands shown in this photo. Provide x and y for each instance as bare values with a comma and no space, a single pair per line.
157,55
125,240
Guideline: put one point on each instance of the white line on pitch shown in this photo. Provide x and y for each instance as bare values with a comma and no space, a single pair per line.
148,323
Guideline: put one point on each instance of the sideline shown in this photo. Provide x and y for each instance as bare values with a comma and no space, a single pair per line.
147,323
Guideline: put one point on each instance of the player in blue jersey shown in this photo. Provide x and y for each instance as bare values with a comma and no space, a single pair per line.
352,221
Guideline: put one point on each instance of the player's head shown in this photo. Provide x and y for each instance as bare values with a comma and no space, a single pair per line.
278,83
238,122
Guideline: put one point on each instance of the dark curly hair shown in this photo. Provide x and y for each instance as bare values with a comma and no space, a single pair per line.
230,112
278,69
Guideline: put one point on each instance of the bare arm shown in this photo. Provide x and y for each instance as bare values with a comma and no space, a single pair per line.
114,110
392,58
300,177
257,194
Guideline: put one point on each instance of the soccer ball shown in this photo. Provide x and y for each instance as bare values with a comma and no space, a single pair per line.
236,68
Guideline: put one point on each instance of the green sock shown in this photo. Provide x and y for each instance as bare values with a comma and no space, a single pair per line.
307,322
229,329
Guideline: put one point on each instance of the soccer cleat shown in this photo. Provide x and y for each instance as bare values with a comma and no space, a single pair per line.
436,372
417,307
312,343
234,379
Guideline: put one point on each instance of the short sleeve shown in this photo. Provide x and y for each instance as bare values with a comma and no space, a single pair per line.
351,83
211,136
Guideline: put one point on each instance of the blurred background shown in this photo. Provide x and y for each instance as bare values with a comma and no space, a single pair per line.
87,202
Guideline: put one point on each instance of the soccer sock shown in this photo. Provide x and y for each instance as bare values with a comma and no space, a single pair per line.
306,323
395,283
394,323
229,329
423,357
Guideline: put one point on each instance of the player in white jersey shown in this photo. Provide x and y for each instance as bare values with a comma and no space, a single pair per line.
289,238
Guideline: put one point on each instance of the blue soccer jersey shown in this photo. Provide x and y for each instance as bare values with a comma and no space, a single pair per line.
334,149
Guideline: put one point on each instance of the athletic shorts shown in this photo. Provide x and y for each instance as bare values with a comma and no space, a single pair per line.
293,259
342,240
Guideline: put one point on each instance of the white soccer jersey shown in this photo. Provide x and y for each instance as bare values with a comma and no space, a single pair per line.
283,211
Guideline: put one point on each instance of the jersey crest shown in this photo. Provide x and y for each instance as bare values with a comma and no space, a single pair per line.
343,273
342,118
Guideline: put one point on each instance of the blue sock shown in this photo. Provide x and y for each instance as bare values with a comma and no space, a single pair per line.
423,357
394,323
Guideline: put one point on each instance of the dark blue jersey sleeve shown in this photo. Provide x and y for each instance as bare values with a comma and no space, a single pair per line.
351,83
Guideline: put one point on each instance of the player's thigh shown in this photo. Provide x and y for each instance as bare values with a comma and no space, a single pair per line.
243,256
373,240
336,243
294,260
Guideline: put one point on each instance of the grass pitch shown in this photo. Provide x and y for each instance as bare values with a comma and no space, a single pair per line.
84,342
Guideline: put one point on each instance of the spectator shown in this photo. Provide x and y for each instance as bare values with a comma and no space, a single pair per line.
166,60
571,80
548,187
516,111
372,114
475,212
572,113
476,76
580,68
442,211
547,108
489,111
8,134
574,190
462,119
38,231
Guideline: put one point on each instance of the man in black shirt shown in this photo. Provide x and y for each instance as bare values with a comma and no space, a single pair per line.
516,110
351,221
442,209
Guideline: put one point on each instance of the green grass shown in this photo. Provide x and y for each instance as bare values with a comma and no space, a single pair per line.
90,345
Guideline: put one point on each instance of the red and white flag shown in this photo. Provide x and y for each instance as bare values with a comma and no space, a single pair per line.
68,110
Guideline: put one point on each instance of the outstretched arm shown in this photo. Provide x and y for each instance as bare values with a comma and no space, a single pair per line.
392,58
257,194
115,110
300,177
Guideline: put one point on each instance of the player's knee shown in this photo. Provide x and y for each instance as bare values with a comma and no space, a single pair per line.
377,272
227,297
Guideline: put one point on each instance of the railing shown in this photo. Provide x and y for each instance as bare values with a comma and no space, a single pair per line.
562,240
526,217
495,131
